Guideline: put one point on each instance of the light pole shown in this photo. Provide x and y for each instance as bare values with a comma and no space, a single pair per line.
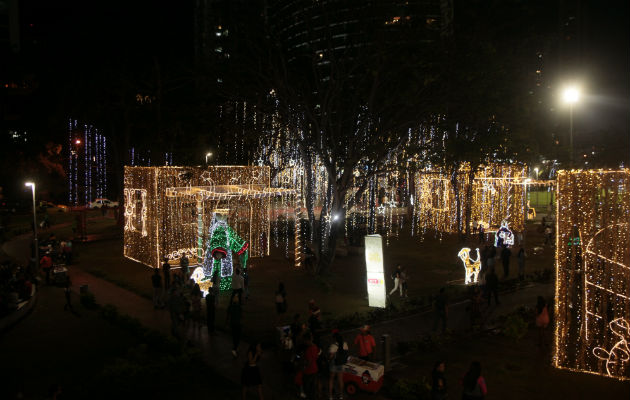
209,154
536,170
571,95
32,185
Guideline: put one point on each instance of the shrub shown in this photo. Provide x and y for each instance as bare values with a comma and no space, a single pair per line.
411,389
109,312
88,301
515,327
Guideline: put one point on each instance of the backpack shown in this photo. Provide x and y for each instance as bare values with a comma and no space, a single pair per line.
341,357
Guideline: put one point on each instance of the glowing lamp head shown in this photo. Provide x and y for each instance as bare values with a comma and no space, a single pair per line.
571,95
30,184
77,141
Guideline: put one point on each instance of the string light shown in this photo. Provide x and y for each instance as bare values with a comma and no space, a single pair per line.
87,157
498,194
503,236
472,267
175,204
593,272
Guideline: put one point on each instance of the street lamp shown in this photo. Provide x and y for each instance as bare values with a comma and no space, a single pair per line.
32,185
536,170
209,154
571,95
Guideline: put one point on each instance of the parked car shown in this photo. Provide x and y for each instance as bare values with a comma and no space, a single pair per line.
14,207
63,208
98,203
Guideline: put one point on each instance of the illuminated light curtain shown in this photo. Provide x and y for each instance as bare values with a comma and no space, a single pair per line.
593,272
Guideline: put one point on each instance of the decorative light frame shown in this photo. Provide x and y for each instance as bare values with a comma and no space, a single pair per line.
592,307
179,202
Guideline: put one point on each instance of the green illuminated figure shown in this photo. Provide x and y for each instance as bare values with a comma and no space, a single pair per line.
223,241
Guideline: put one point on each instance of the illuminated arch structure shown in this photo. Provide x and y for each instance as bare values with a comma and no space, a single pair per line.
168,210
499,192
592,309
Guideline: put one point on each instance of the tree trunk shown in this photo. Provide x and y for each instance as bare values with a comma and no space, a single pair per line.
458,200
469,198
330,226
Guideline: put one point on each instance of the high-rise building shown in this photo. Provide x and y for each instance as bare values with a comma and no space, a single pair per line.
319,27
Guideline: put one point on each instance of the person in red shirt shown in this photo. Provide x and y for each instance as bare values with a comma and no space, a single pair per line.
311,354
46,264
366,343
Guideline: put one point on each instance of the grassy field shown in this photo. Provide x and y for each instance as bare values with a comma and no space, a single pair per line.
513,370
431,263
92,358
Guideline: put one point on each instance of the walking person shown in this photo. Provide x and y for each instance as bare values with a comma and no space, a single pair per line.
337,356
238,283
438,386
210,311
67,292
156,282
166,270
475,308
184,266
234,314
250,376
397,277
365,342
474,384
440,310
492,286
520,257
542,320
175,305
46,265
492,253
548,235
403,282
506,253
309,373
216,288
482,234
195,307
281,302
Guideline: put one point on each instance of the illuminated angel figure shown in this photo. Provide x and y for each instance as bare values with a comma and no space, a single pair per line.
504,236
223,241
472,266
619,354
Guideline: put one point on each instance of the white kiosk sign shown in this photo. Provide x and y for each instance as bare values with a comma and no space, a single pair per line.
374,268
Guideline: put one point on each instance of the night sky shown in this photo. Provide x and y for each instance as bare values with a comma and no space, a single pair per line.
69,40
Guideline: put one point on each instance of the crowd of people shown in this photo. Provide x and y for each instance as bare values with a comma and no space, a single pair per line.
180,295
315,363
16,285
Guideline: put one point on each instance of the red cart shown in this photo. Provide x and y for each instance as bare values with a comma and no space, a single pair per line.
362,375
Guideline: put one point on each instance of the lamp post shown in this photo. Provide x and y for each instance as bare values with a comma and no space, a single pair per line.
209,154
32,185
571,95
536,170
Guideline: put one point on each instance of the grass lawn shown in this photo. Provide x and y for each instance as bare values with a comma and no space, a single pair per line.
431,263
513,370
88,355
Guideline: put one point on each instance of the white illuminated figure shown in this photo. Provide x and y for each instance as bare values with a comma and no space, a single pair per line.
472,266
619,354
504,236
